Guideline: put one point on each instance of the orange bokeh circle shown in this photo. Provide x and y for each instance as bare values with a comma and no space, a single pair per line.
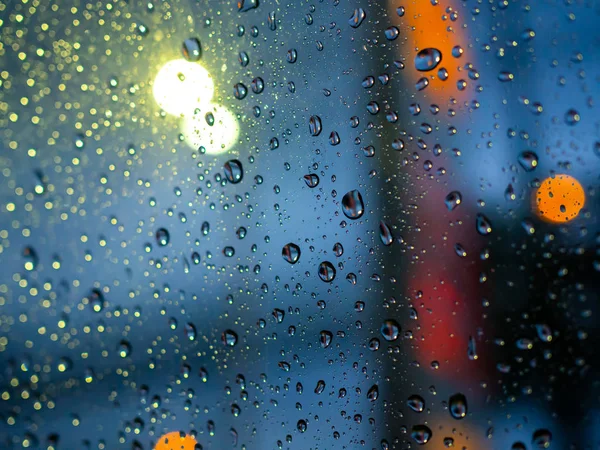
559,199
175,441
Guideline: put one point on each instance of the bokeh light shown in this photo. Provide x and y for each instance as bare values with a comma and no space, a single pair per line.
180,86
211,126
559,199
176,441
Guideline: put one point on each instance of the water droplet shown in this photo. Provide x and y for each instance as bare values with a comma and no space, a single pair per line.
457,51
357,17
326,271
528,160
314,125
233,171
422,83
373,393
320,387
352,205
292,55
272,21
457,405
162,237
391,33
240,91
291,253
229,338
544,332
301,426
572,117
416,403
427,59
390,330
190,331
191,49
325,337
334,138
246,5
31,258
385,234
484,226
421,434
96,300
452,200
124,349
257,85
210,119
243,59
505,76
311,180
542,439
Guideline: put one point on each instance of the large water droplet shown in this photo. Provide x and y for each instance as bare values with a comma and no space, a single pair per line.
190,331
291,253
528,160
542,439
391,33
191,49
457,405
416,403
31,258
452,200
240,91
421,434
390,330
325,338
246,5
229,338
483,225
311,180
162,237
373,393
326,271
314,125
427,59
385,234
352,205
357,17
233,171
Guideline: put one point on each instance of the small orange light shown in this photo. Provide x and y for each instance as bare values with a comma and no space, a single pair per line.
559,199
175,441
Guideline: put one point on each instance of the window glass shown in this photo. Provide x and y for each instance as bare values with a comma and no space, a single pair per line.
323,224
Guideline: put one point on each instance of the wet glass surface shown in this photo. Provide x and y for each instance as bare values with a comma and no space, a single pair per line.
299,225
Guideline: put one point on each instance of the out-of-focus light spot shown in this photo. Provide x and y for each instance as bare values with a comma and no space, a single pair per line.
213,127
559,199
175,441
180,86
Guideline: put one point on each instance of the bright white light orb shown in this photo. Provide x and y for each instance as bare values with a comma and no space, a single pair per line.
180,86
216,138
